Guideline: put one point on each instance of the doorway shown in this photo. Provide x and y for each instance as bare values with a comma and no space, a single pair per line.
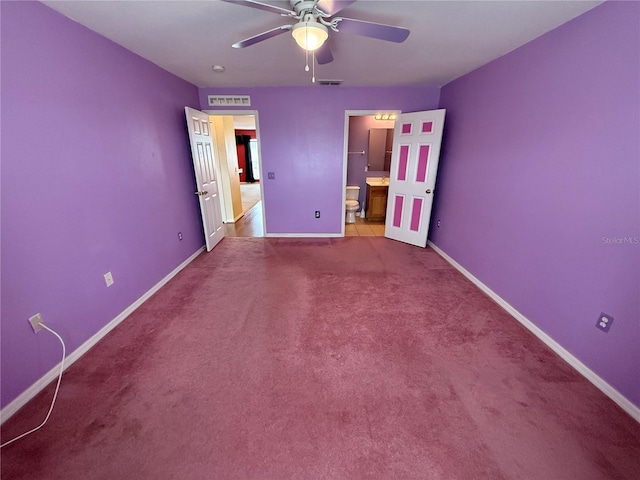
238,140
248,160
367,155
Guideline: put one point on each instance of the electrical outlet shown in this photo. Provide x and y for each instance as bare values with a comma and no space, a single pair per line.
604,322
317,213
438,223
36,322
108,279
271,175
179,235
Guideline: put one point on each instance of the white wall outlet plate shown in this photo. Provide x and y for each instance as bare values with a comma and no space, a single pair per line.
108,279
36,322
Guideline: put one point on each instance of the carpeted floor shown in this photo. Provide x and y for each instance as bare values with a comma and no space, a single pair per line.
346,358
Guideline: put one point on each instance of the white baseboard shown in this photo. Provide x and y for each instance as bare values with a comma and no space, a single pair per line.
52,374
585,371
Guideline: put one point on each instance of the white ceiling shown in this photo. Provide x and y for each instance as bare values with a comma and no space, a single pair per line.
447,40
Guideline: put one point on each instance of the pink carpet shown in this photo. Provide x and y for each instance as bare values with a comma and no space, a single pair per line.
347,358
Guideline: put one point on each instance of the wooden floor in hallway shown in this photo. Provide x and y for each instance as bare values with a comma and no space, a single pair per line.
250,225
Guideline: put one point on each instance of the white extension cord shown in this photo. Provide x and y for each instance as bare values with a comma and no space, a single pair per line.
64,351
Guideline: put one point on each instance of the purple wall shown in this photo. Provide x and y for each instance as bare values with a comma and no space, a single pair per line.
302,141
540,165
96,176
358,141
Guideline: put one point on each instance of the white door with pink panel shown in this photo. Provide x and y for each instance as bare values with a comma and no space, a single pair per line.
416,152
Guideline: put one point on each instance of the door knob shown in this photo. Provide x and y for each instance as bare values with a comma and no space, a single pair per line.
428,190
202,193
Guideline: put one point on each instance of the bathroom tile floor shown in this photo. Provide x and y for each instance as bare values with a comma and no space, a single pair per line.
364,228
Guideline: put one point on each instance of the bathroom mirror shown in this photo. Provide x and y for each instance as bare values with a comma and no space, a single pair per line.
380,145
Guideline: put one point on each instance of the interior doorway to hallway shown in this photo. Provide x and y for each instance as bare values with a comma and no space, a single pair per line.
238,150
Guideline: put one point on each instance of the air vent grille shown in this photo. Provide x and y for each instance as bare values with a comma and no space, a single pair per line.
229,100
329,82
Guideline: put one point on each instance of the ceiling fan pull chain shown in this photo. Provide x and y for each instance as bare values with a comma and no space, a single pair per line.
306,59
313,67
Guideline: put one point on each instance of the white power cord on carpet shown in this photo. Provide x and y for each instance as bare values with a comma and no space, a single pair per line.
64,351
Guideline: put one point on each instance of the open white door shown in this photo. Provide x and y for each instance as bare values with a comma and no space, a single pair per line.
206,181
416,152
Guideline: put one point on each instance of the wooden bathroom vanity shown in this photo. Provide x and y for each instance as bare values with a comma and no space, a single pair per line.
376,206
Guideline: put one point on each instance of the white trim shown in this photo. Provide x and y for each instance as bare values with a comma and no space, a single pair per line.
52,374
345,160
585,371
303,235
232,112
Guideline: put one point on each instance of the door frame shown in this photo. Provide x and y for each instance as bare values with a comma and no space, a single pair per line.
345,154
233,113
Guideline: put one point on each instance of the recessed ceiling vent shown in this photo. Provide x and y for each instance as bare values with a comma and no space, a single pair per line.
229,100
330,82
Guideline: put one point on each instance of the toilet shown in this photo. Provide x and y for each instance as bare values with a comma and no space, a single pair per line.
352,203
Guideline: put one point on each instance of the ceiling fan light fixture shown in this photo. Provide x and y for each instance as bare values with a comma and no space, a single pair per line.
310,35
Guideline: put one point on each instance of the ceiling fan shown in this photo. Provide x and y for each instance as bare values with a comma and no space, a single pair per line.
314,19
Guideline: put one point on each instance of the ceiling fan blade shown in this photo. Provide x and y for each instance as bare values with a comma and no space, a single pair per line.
331,7
262,6
323,54
371,29
262,36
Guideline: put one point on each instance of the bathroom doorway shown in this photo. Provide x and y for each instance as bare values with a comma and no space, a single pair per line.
368,138
237,132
